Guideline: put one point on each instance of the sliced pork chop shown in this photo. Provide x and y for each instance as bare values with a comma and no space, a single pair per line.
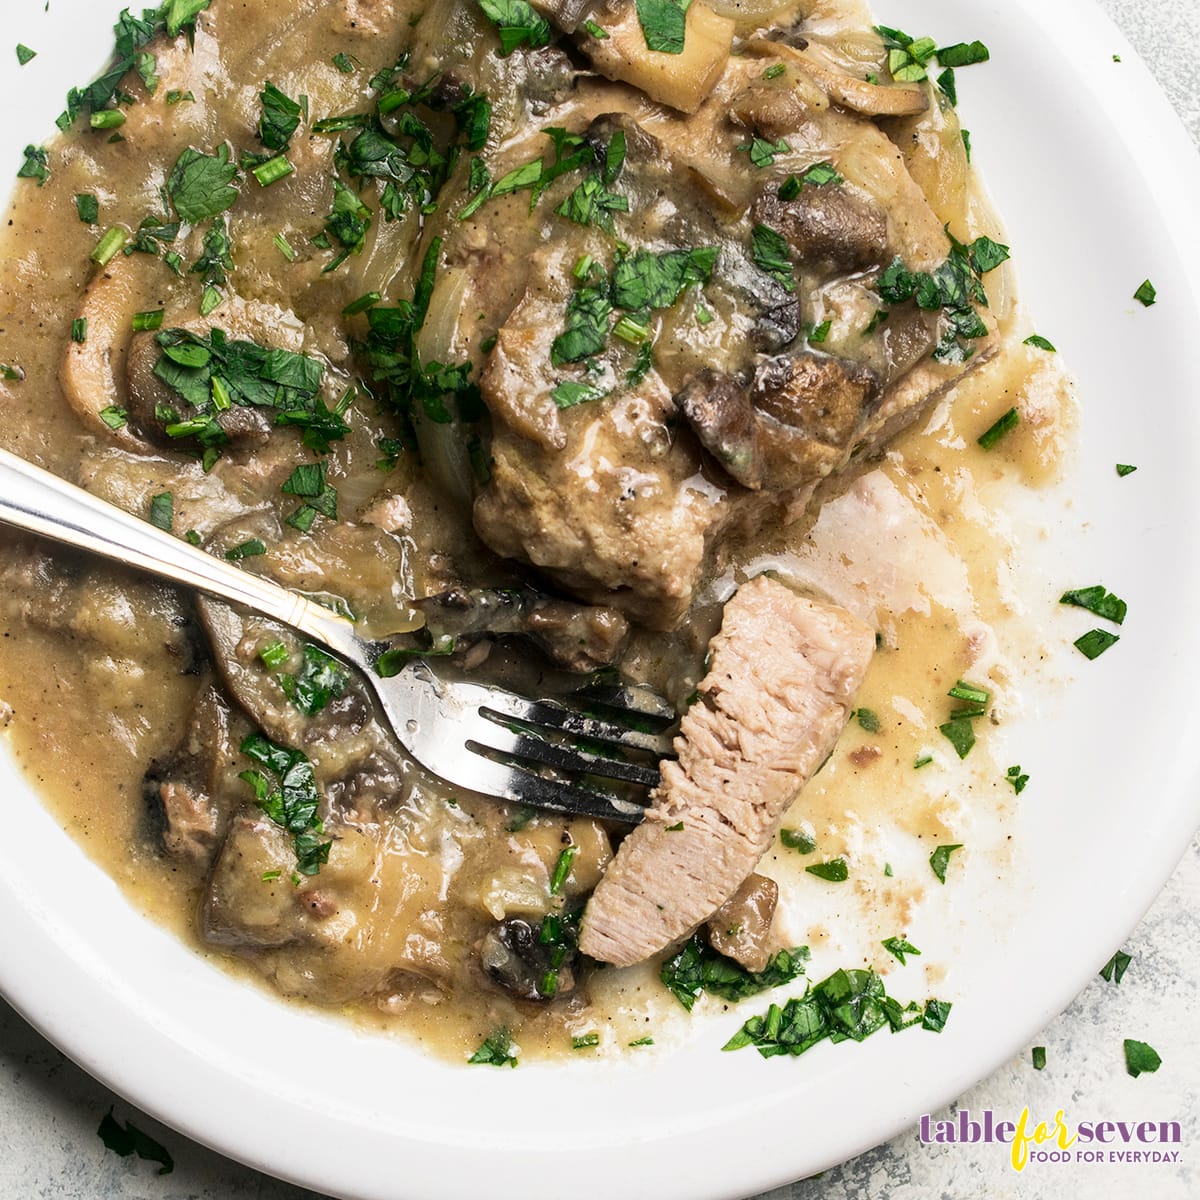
783,675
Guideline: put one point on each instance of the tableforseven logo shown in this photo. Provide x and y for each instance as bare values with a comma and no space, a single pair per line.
1058,1140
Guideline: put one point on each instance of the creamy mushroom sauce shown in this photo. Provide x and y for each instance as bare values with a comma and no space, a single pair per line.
101,668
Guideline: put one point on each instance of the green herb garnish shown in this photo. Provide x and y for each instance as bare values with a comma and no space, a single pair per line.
287,793
279,120
770,252
797,839
898,947
1140,1058
1124,469
36,165
162,510
201,185
128,1139
762,151
1146,292
1095,642
834,870
24,54
518,24
584,1041
664,24
999,428
1038,1057
497,1050
320,679
939,860
698,967
562,869
1114,970
1097,600
1018,780
1036,339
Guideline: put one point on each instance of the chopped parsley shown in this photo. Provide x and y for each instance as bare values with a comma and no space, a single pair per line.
569,393
769,250
963,54
321,678
798,839
584,1041
848,1005
274,655
1097,600
898,947
833,870
280,118
648,279
908,57
79,329
343,62
818,333
999,428
287,793
128,1139
1041,343
320,498
1124,469
959,731
586,328
1018,780
162,511
664,24
201,185
953,288
347,223
1095,642
1146,293
868,719
209,372
497,1050
1140,1058
518,24
596,31
698,967
762,151
1038,1058
939,860
591,203
250,548
1114,970
820,174
36,165
24,54
562,869
88,208
642,1041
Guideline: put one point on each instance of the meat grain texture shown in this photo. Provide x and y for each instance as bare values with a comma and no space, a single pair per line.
782,680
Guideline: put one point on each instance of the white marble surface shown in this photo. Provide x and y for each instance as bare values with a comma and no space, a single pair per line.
49,1109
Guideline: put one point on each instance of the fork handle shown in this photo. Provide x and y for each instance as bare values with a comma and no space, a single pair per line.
39,502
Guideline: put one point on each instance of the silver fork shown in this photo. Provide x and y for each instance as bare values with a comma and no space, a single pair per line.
476,736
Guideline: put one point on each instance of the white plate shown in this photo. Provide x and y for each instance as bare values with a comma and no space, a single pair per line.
1096,182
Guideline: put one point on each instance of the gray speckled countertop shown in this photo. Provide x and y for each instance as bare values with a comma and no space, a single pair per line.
49,1108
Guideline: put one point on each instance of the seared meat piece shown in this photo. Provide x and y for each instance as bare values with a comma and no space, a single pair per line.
790,426
741,928
830,226
576,636
780,686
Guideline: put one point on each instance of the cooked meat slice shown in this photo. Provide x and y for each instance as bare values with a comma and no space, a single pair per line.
781,682
578,637
623,516
741,928
830,225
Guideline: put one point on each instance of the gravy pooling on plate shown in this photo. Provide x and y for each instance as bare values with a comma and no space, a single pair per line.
530,344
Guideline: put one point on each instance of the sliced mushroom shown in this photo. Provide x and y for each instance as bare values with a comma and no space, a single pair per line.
683,80
870,99
789,425
741,928
577,636
92,374
829,226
